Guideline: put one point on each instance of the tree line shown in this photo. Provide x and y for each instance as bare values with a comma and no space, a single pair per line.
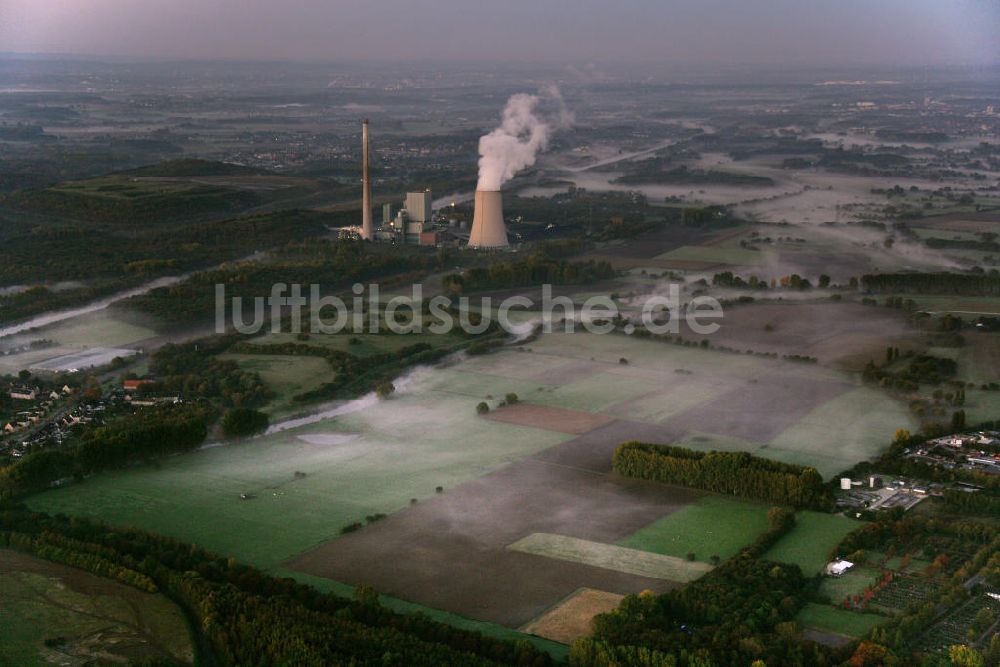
242,616
110,262
524,273
731,473
138,437
962,284
334,265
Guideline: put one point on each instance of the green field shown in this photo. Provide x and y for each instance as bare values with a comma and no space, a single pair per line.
808,545
286,376
711,526
363,345
839,621
129,200
714,255
377,458
835,435
849,584
101,329
372,460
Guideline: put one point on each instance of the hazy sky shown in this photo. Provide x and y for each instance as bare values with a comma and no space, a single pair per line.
807,32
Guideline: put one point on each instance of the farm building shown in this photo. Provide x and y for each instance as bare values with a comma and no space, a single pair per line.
838,567
132,385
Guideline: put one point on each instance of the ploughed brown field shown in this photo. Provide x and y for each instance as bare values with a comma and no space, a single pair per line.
451,552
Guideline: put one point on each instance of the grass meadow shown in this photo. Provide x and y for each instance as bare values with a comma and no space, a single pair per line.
711,526
809,543
839,621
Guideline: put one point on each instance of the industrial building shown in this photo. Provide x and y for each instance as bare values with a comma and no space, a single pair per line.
418,206
488,228
367,226
412,223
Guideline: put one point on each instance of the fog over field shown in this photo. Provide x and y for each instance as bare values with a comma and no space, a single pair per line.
556,334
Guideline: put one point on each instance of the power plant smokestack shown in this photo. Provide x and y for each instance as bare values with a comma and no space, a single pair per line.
367,227
488,229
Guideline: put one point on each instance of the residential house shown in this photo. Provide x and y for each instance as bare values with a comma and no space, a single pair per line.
23,393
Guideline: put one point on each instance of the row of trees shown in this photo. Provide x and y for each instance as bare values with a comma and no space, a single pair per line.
242,616
965,284
733,473
920,369
334,265
530,272
976,503
244,422
139,437
111,262
53,253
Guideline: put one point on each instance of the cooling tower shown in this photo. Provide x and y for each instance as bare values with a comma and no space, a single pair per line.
367,228
488,230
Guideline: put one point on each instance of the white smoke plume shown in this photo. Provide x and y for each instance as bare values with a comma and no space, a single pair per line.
523,133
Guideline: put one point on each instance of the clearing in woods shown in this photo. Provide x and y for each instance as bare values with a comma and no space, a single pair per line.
839,621
810,542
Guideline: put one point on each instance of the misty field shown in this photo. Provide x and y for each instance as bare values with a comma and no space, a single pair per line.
281,501
99,329
794,412
714,255
356,465
711,526
379,457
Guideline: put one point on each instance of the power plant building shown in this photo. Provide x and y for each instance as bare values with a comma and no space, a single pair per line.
418,206
367,226
414,218
488,228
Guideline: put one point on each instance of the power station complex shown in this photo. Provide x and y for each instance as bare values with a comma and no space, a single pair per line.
414,223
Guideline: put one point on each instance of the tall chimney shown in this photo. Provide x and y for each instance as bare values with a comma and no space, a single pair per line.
367,227
488,229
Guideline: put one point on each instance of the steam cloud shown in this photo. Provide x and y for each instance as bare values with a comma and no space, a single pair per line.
522,135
